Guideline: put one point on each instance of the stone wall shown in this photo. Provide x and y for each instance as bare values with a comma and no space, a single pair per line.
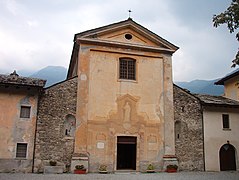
188,130
53,142
16,165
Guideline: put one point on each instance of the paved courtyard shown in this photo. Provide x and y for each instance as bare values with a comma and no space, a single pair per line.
126,176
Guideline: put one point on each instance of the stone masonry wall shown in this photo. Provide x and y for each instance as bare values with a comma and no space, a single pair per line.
56,103
188,130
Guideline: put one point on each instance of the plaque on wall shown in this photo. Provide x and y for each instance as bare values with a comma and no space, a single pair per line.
100,145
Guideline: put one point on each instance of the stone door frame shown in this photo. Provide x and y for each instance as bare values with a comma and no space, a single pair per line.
137,150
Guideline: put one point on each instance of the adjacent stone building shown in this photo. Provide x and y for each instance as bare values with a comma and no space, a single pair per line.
206,131
18,111
220,129
56,125
188,119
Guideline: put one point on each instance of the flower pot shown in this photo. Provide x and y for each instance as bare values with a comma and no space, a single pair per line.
171,170
80,171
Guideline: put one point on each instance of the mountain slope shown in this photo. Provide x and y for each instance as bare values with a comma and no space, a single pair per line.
202,87
53,74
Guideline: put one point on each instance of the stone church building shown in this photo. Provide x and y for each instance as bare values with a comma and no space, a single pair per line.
120,111
118,107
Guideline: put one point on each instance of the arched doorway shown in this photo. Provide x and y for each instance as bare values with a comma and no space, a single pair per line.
227,158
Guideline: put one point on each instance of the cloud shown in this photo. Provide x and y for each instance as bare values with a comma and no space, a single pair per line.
32,23
12,7
35,34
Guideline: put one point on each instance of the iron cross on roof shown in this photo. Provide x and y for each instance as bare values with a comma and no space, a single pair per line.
129,12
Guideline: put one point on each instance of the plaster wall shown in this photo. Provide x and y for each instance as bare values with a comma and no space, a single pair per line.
148,86
102,98
14,129
215,136
231,89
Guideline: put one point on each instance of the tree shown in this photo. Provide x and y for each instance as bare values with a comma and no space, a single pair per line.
231,18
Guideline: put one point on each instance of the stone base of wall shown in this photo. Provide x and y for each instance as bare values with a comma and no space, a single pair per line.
15,165
143,165
53,169
169,160
79,160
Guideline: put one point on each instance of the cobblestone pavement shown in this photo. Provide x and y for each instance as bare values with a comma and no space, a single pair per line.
126,176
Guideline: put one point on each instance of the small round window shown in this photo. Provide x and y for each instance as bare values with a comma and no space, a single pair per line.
128,36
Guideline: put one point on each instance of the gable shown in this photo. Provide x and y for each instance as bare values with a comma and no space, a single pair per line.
229,76
129,33
114,35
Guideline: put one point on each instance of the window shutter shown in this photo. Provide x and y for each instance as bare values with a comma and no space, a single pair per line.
21,150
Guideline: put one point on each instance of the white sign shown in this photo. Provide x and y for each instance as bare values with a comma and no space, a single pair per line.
100,145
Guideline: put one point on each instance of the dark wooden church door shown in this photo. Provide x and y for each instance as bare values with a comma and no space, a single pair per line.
227,158
126,153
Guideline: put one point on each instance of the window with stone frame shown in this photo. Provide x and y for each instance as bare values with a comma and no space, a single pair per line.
25,111
225,121
127,69
21,151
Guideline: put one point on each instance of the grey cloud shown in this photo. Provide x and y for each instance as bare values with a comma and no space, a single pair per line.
41,32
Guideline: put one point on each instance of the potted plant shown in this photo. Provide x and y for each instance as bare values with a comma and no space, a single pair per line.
80,169
172,168
150,169
103,169
52,163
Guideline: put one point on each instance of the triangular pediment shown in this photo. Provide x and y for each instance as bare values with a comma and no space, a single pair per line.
127,32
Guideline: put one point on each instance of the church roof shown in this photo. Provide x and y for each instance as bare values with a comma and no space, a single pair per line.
129,22
227,77
15,79
217,100
153,42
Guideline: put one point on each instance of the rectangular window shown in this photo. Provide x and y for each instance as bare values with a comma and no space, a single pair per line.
21,150
127,69
25,112
225,121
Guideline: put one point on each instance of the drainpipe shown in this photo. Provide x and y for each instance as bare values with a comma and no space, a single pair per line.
201,106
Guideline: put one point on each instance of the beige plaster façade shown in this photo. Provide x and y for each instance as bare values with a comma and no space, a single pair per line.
215,136
14,129
102,98
231,88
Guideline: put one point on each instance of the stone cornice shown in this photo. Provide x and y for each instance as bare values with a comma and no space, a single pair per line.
124,45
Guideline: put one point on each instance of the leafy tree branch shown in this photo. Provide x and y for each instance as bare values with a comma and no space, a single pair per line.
230,17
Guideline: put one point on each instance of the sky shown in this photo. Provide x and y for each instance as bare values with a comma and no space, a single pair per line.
36,34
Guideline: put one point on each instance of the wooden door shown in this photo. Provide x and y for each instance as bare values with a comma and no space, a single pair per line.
126,153
227,158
